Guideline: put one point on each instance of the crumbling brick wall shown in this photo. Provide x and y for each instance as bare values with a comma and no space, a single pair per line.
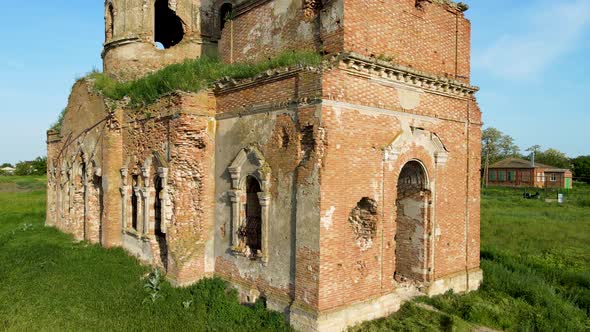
282,126
268,29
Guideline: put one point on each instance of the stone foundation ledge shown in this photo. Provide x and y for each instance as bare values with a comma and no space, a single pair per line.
342,318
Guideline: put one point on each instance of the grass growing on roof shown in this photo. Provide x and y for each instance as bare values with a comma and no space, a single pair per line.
193,76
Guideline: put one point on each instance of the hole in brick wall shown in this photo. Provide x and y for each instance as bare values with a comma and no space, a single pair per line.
284,139
307,142
251,231
311,8
169,29
363,219
109,22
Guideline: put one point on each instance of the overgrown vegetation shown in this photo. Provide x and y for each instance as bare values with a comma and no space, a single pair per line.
536,262
56,126
193,76
50,282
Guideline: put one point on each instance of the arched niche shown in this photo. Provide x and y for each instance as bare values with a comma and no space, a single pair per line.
412,223
250,181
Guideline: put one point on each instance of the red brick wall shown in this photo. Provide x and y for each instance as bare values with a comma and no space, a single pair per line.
267,30
423,38
353,168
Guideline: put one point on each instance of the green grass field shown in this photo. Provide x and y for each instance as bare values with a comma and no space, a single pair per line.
48,282
536,261
535,256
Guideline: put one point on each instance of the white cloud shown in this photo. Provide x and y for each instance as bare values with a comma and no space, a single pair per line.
551,30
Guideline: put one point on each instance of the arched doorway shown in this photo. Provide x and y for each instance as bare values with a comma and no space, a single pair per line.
411,244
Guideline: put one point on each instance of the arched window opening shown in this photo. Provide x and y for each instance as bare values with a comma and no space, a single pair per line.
225,12
82,178
158,229
158,206
97,184
411,224
169,29
109,22
253,227
134,202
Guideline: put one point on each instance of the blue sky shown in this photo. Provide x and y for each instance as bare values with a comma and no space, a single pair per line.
530,58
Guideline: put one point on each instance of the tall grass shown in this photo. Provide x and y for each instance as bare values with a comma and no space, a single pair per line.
193,76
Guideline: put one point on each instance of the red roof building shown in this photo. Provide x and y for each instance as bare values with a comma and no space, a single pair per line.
515,172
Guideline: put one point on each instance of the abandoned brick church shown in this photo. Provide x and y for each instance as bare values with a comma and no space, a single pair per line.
336,192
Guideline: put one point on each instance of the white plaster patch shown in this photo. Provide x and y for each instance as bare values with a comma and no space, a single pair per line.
305,30
408,99
327,220
281,7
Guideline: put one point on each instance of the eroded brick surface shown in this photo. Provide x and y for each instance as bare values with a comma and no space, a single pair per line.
336,192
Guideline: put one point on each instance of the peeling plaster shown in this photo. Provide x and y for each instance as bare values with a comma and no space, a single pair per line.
327,221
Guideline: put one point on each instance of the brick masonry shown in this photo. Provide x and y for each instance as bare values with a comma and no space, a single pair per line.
367,167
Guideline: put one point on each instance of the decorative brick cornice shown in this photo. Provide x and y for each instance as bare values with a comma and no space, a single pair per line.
227,84
371,67
361,66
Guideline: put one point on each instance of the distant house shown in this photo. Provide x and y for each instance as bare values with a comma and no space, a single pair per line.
7,170
514,172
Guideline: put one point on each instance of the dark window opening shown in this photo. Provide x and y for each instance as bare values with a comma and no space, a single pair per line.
169,29
97,183
134,208
158,206
253,227
110,23
225,14
82,174
160,235
308,143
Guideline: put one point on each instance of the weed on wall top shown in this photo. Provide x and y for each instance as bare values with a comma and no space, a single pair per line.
192,76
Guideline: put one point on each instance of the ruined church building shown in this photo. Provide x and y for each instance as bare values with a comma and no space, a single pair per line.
336,192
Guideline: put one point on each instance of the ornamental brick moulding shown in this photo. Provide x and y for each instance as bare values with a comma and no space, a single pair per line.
250,200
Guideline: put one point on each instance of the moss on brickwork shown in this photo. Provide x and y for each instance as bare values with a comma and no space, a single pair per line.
192,76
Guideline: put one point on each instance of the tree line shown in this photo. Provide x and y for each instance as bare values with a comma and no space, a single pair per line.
37,166
495,146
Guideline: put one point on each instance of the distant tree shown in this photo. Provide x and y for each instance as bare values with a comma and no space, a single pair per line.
34,167
553,157
534,148
496,146
6,165
581,168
